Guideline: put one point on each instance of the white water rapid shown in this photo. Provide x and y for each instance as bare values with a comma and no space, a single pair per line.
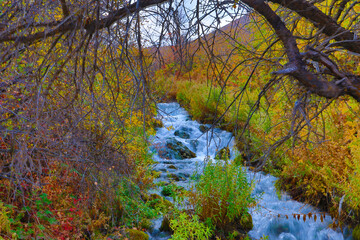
269,217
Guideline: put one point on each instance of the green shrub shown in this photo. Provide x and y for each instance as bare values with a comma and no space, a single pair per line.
222,194
186,227
133,209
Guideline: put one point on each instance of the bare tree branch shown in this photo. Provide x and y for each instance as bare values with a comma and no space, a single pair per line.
306,9
79,23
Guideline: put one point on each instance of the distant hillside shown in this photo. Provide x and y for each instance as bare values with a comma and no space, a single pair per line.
221,40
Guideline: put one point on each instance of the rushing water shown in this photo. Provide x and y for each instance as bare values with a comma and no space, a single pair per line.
274,215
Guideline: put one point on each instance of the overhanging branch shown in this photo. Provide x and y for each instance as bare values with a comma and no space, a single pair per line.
78,23
298,66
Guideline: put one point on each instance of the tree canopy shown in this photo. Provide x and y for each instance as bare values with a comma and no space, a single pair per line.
26,23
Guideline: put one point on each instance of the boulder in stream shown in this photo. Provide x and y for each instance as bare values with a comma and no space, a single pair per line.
175,177
183,132
172,167
203,128
178,150
223,154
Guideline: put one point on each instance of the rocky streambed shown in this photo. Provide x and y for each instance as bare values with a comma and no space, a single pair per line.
181,147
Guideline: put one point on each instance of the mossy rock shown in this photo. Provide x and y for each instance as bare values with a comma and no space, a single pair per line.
172,167
246,222
235,235
203,128
154,200
176,150
356,233
175,177
223,154
236,229
134,234
183,133
165,224
162,183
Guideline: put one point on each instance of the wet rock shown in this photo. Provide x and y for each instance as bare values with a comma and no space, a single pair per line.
172,167
203,128
223,154
178,150
165,224
175,177
136,234
183,132
165,153
194,144
250,159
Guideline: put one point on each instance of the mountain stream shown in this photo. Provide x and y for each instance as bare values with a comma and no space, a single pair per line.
274,215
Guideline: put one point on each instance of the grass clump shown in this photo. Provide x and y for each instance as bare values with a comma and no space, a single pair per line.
189,227
220,199
222,194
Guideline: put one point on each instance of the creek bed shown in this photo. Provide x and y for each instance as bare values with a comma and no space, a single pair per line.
276,215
